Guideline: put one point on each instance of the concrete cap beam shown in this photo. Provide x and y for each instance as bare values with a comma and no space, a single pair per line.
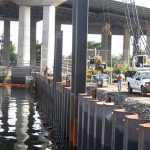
38,2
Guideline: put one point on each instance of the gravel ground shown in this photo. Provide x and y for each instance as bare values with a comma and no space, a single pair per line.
133,102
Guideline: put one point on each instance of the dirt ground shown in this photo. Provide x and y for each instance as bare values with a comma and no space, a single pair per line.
132,102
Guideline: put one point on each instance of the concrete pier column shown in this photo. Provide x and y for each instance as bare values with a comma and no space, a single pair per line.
48,38
126,46
24,36
6,53
106,48
148,40
33,44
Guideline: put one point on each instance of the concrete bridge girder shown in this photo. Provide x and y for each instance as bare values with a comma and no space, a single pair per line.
38,2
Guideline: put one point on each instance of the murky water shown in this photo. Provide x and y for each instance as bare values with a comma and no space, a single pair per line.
21,127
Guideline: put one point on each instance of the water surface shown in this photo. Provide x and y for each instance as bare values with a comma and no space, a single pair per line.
21,127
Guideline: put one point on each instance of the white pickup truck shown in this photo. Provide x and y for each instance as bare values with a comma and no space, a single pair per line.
140,81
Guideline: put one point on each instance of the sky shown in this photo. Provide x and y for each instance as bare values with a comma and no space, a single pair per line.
144,3
117,41
67,36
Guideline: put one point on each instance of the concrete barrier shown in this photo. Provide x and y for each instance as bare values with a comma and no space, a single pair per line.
131,126
144,134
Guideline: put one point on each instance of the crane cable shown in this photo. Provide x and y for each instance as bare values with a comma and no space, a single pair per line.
135,20
142,38
108,17
136,27
107,27
128,19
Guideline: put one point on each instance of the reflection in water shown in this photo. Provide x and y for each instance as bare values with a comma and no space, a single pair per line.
22,114
20,124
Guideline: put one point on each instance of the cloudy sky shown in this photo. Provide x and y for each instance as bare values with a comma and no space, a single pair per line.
145,3
117,41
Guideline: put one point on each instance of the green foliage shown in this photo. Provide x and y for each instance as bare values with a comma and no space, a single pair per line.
117,60
38,52
123,69
13,55
108,69
93,45
116,70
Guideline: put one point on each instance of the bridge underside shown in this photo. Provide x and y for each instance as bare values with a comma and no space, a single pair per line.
99,12
53,90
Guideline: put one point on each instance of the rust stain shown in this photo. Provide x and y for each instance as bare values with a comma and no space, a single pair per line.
10,84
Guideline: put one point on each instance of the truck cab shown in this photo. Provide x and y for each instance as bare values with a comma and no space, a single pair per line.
140,81
141,61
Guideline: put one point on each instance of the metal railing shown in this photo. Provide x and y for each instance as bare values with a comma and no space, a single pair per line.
66,67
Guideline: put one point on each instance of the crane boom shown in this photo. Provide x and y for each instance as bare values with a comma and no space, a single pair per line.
135,28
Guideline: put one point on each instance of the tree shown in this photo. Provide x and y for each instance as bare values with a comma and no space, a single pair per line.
93,47
38,52
117,60
13,55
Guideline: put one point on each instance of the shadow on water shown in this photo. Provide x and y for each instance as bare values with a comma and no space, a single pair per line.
21,127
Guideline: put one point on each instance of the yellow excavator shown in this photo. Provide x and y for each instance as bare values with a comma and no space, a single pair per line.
95,66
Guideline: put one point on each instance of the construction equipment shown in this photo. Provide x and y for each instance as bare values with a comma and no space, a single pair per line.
96,66
139,60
